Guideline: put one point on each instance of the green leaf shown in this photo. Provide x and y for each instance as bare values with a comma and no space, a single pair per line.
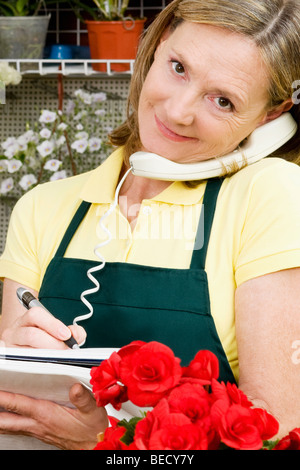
7,9
130,429
22,7
269,445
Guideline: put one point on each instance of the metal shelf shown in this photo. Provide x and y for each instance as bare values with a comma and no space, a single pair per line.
67,67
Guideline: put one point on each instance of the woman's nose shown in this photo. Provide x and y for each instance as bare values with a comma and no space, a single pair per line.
181,109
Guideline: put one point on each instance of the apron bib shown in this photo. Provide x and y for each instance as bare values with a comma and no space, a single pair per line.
138,302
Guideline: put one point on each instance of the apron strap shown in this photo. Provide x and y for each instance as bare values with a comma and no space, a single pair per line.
74,224
205,223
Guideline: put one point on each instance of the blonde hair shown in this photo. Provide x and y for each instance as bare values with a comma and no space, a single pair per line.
273,25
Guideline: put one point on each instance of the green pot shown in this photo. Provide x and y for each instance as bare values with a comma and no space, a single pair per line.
23,37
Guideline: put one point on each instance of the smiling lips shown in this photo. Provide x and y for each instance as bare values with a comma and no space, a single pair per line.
166,132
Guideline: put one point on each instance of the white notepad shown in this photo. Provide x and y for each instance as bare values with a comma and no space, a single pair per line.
49,374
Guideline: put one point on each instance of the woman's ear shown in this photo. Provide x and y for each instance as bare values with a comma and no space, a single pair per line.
277,111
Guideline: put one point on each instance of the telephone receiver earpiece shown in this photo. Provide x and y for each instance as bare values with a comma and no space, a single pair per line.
262,142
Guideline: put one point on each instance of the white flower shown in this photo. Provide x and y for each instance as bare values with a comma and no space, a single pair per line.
29,136
47,116
12,150
9,75
62,126
99,97
79,127
6,185
60,141
94,144
84,96
52,164
81,135
3,165
78,93
80,115
45,148
13,165
45,133
59,175
70,107
80,145
22,143
8,142
27,180
100,112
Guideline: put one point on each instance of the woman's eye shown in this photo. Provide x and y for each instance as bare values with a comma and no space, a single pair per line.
224,103
178,67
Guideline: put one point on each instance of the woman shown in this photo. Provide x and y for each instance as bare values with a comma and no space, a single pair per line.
208,73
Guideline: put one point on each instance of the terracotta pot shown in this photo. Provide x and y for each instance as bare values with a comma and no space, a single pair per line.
113,40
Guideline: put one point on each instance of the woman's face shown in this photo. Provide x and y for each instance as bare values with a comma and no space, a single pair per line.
205,92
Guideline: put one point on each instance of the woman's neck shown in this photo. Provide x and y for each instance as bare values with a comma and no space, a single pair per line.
134,190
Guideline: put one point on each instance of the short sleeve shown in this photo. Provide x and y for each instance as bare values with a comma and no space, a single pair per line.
19,261
270,238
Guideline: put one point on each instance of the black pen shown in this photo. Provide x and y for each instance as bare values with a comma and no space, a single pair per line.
28,301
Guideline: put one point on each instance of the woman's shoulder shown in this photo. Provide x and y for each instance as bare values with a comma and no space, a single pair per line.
272,184
55,193
71,183
266,174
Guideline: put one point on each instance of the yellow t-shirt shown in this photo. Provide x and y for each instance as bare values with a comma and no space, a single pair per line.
256,230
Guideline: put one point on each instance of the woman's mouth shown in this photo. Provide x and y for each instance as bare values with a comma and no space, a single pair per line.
166,132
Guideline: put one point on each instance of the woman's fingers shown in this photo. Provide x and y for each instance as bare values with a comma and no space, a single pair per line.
37,328
78,333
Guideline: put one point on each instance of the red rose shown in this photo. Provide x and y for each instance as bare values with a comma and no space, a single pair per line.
195,402
164,430
178,437
110,439
267,425
237,428
230,393
290,442
130,348
239,424
106,383
149,372
204,367
151,423
223,396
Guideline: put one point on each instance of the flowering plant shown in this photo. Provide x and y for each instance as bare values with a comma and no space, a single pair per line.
9,75
191,410
57,145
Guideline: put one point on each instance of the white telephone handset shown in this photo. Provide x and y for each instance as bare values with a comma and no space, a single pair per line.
262,142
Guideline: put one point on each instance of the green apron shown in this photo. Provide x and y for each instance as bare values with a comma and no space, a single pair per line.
138,302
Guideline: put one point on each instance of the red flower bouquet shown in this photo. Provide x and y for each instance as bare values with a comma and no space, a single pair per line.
190,409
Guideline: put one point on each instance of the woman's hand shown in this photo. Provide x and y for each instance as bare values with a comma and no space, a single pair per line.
61,426
64,427
34,328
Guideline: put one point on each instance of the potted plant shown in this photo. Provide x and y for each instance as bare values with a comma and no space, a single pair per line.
112,35
23,29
